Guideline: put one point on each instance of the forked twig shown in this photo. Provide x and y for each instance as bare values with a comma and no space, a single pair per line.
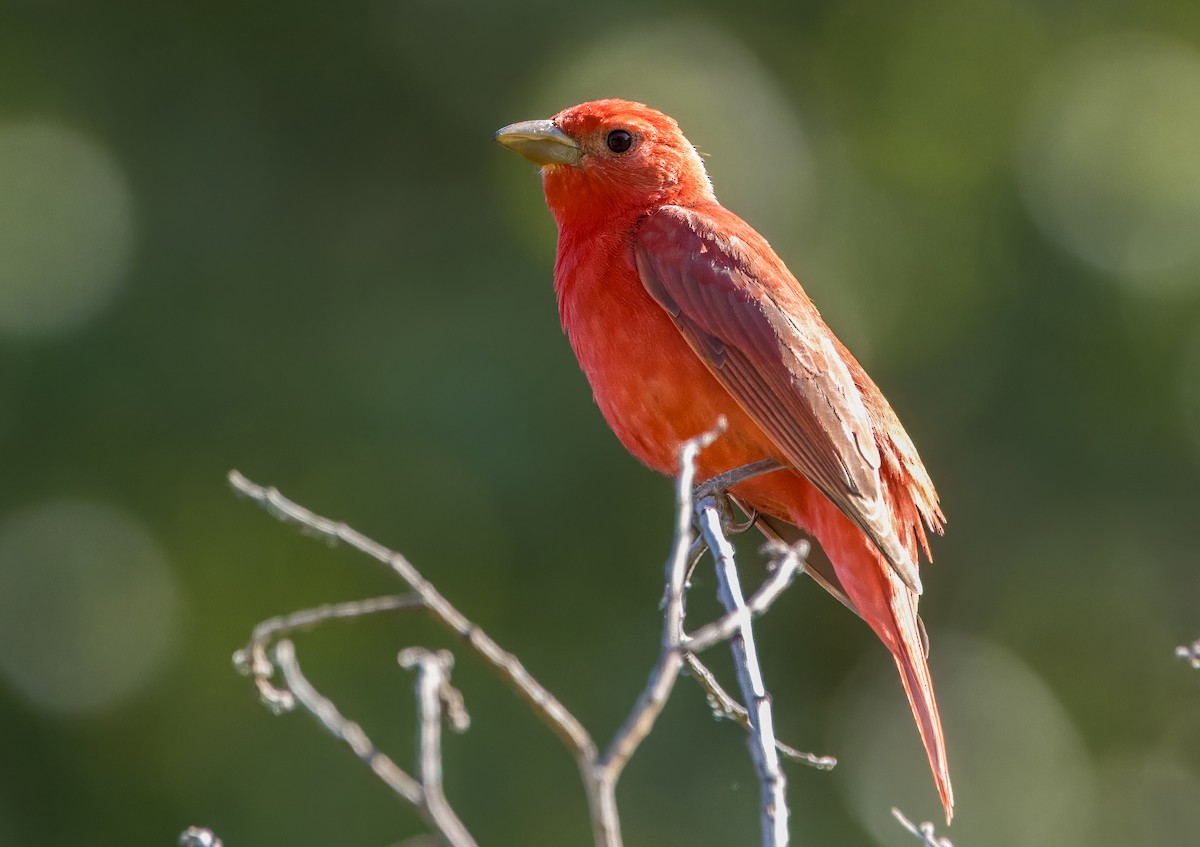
786,563
424,794
252,660
724,706
436,698
544,704
198,836
323,709
1190,653
924,831
774,810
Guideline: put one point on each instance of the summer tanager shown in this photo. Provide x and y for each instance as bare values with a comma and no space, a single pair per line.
680,313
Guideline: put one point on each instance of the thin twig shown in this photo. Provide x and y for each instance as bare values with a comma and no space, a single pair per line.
436,696
1190,653
252,659
544,704
323,709
670,659
724,706
430,803
695,556
786,567
600,772
774,811
663,675
924,831
568,728
198,836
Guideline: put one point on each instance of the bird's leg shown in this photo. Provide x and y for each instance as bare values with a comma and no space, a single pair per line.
718,487
722,482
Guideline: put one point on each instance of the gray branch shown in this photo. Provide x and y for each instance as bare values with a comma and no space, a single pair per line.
724,706
252,660
773,783
437,699
924,831
787,562
198,836
544,704
1190,653
344,729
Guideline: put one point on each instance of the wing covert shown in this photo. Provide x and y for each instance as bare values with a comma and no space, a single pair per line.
775,358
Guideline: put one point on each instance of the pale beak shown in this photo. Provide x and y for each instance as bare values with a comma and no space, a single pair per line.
541,142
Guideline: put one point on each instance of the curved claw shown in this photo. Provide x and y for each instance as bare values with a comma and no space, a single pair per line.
736,528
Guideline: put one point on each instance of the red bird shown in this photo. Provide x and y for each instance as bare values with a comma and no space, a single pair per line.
679,313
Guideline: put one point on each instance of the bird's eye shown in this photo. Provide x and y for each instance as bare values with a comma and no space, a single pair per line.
619,140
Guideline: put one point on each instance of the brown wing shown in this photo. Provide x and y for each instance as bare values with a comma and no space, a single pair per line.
722,285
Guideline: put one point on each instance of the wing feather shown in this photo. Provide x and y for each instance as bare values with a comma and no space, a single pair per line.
747,318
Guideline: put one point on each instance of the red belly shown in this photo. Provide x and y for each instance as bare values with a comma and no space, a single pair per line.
656,393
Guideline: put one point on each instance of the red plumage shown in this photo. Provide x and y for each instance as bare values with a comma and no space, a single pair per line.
679,313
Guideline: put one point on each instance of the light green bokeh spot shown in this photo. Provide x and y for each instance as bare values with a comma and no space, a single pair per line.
66,229
88,605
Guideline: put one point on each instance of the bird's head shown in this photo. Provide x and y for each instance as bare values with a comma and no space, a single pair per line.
610,157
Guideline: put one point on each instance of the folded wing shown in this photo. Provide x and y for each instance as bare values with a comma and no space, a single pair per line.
746,317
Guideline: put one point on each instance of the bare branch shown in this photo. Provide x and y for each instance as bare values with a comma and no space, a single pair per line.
724,706
774,812
602,785
1190,653
786,566
925,831
346,730
196,836
252,659
676,645
662,677
544,704
435,694
427,799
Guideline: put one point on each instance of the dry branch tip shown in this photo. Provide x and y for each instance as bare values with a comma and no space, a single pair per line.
924,830
1190,653
198,836
454,706
269,655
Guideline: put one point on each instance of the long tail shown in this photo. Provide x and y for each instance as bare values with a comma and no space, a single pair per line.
909,654
863,580
890,607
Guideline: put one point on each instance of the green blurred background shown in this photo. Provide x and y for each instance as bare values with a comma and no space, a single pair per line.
277,237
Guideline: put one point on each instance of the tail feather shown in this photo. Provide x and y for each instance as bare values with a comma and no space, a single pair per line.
890,608
918,685
863,580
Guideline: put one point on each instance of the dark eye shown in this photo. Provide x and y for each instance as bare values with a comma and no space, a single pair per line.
619,140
